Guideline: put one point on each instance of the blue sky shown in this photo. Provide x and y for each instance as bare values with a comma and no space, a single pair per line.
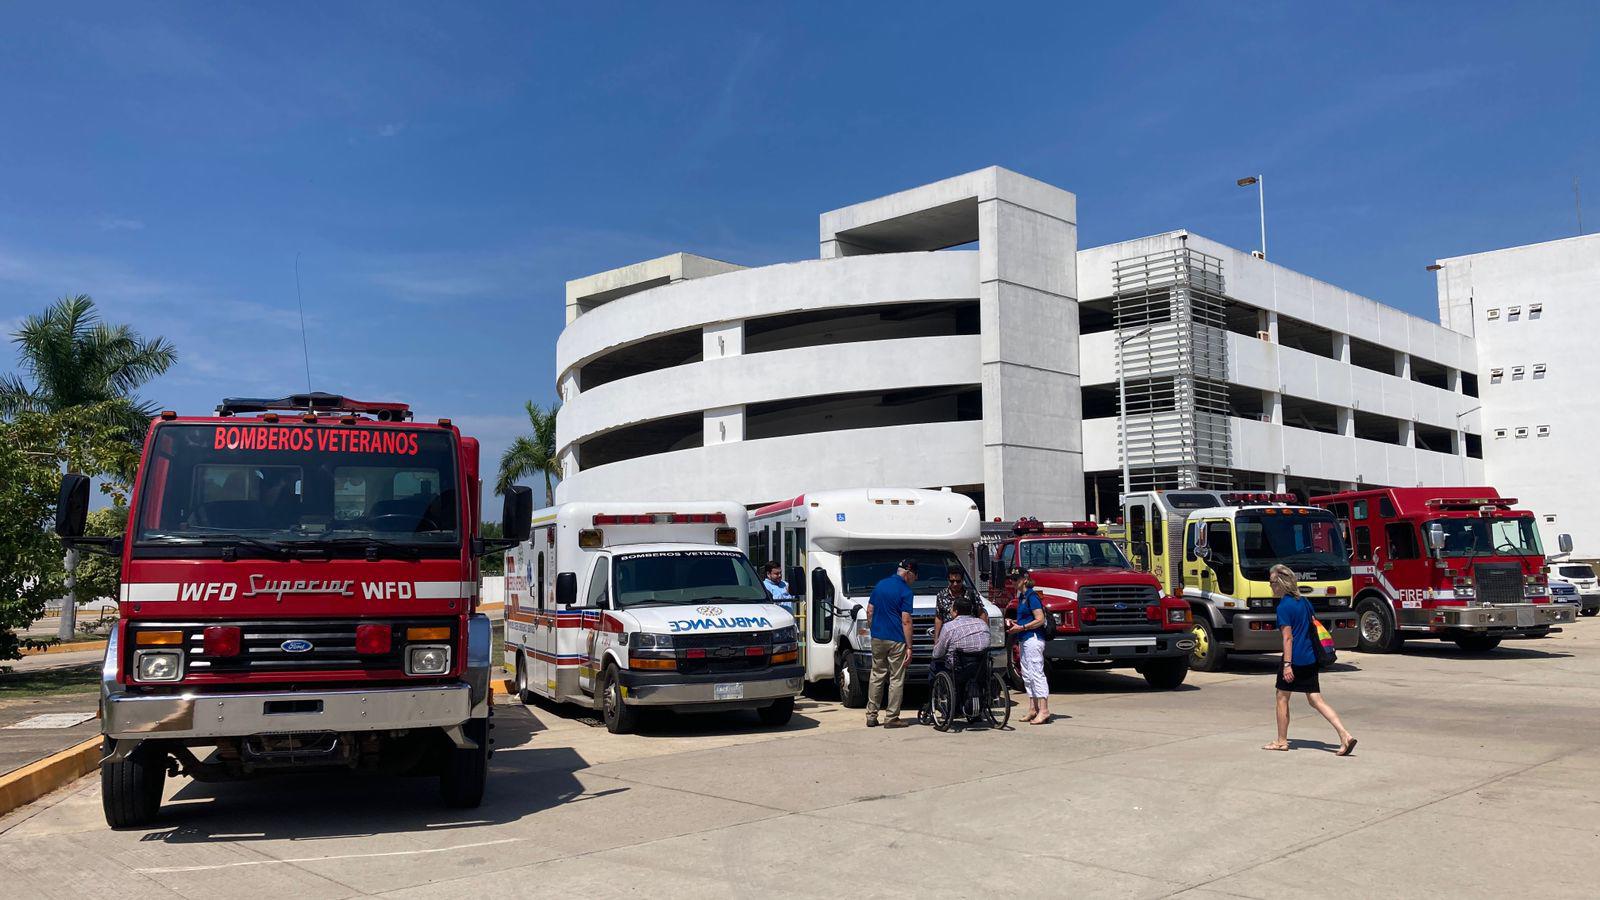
442,172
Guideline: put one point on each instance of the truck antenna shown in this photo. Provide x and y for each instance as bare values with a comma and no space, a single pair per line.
304,346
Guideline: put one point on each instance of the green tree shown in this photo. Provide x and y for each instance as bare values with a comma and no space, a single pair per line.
33,449
76,361
101,576
494,563
533,454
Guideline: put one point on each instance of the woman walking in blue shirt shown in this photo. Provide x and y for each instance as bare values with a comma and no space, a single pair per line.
1030,649
1298,674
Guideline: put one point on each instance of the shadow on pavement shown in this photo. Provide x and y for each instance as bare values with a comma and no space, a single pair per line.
1505,652
523,780
662,723
1105,681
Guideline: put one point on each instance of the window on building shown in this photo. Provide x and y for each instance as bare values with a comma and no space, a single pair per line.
1550,519
1513,314
1535,310
1522,432
1469,384
1494,314
1544,431
1402,538
1499,433
1516,373
1495,375
1538,370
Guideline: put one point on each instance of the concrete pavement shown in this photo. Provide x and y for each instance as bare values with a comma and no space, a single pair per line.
1476,776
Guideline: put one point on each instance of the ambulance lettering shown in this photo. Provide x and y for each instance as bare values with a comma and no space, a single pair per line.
709,624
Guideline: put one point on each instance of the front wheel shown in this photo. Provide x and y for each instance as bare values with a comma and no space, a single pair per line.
130,790
1477,643
619,717
1376,631
778,714
942,700
524,696
852,692
997,701
1166,674
466,772
1208,654
1591,610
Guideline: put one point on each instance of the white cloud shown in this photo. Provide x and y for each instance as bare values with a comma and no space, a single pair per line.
391,129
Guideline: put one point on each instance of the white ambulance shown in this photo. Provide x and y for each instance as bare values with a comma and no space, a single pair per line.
835,546
628,605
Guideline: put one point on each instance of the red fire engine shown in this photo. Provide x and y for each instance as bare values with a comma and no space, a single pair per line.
1460,564
299,591
1105,613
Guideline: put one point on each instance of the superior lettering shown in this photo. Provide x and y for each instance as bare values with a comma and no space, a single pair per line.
326,440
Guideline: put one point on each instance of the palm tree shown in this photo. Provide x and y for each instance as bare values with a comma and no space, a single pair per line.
75,360
533,454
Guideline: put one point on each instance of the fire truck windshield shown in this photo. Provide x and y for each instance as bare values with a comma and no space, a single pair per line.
1309,544
863,569
1072,553
1490,537
686,576
273,488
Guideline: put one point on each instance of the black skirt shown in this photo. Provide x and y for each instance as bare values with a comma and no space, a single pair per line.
1305,680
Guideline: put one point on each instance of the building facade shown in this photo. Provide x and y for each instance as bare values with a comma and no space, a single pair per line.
954,335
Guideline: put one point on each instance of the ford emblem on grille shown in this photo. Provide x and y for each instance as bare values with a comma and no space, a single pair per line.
1119,606
295,645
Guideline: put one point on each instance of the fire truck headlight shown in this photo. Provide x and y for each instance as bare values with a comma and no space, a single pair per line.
1177,614
427,659
158,665
1263,602
1534,590
1339,602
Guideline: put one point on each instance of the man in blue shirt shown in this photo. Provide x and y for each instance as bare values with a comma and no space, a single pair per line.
889,614
777,588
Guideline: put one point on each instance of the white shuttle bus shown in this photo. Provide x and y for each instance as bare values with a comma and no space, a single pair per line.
834,547
628,605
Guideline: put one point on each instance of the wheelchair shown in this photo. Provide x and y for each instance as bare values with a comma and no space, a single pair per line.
971,689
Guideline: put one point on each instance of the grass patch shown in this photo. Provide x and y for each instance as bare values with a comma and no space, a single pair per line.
50,682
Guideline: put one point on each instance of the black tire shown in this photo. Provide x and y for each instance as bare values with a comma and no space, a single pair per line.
942,699
619,717
1591,611
1375,631
130,790
778,714
466,772
852,690
1014,667
524,696
1477,643
1166,674
997,702
1208,654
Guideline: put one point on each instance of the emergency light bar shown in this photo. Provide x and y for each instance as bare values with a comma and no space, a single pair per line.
316,402
1470,502
662,519
1028,525
1240,498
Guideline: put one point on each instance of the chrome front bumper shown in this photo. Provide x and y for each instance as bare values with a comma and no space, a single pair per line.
194,715
753,692
1509,615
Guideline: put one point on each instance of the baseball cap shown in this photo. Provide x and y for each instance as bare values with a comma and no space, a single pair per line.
910,565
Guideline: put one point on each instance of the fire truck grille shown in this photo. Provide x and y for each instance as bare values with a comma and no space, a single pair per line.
1118,607
1498,583
315,645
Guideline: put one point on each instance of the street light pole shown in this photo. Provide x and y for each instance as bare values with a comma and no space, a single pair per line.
1261,201
1122,406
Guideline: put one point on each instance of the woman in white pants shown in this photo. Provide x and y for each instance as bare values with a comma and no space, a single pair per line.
1027,627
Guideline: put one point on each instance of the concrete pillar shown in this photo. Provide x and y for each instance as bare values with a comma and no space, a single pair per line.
1402,365
724,425
1348,486
1267,321
723,340
1272,401
1408,433
1280,482
568,387
1453,380
1346,419
1341,347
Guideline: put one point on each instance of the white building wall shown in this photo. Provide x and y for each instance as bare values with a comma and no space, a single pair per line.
1550,474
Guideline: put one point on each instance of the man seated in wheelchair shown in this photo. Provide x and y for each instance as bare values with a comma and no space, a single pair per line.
962,649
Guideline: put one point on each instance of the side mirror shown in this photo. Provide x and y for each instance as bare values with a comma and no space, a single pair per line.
796,577
822,588
1564,541
72,505
516,517
566,588
1435,536
984,562
855,612
1202,545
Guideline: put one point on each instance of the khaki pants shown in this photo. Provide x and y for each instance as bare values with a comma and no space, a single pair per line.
888,664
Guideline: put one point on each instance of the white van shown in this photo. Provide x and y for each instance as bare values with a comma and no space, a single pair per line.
626,605
1582,577
835,546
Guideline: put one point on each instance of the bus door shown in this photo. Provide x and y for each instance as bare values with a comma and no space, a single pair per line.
542,665
794,572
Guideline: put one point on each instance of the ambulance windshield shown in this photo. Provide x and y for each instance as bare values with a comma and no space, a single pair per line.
1490,537
264,488
686,576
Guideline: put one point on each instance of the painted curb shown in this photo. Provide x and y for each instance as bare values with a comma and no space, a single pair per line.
20,787
68,648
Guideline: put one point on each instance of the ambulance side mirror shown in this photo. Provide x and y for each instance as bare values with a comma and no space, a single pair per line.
566,588
985,564
796,577
1564,541
516,517
72,505
1435,536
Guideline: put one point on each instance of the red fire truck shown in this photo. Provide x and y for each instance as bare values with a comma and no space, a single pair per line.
1460,564
1106,614
299,591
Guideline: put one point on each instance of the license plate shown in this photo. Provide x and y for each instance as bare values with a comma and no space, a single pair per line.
733,691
